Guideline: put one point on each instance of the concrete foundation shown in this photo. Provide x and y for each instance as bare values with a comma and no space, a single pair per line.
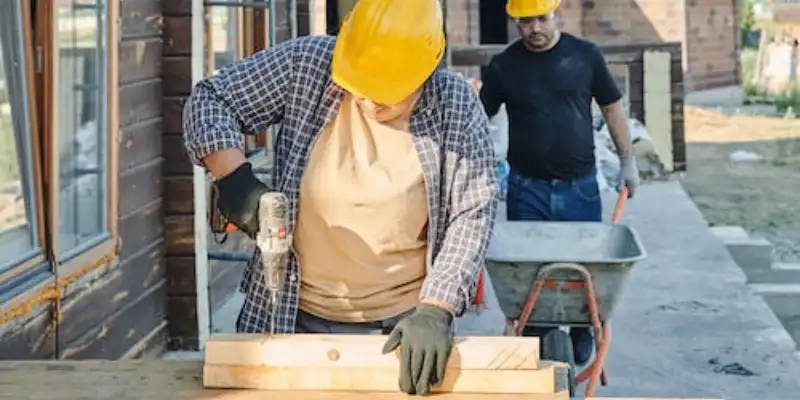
753,255
784,300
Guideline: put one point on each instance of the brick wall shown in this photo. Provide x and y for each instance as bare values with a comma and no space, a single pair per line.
463,27
712,39
708,30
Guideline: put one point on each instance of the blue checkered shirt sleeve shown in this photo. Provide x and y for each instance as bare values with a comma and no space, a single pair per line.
244,97
472,206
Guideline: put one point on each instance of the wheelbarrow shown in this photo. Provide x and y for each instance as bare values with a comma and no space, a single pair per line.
554,274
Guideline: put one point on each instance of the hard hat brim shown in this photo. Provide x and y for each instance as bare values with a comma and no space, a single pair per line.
379,87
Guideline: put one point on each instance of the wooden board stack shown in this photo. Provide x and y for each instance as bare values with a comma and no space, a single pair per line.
354,363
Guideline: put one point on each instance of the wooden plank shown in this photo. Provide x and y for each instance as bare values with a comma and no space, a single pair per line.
180,276
177,75
123,329
141,18
363,351
382,379
177,8
182,315
152,346
173,115
176,160
140,185
140,228
179,32
167,380
34,339
111,292
479,54
140,101
139,59
140,143
179,194
180,235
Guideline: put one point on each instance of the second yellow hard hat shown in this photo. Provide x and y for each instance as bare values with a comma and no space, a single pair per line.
386,49
530,8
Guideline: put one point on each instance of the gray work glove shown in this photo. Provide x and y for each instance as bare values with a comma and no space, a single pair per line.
628,174
425,339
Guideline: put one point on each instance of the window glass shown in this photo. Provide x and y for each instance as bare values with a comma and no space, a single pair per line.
224,35
82,132
17,201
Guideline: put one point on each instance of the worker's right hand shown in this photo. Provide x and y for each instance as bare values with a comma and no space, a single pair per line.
239,194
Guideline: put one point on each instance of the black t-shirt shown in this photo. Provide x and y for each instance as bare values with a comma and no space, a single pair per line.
548,97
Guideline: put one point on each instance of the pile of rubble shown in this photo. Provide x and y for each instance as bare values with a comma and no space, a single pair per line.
650,166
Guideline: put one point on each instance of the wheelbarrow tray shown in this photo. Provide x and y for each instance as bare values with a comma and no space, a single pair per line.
520,249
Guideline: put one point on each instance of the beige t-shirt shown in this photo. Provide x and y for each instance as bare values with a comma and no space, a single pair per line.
362,217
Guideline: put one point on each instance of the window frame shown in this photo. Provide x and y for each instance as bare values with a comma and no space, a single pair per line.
37,258
66,262
40,36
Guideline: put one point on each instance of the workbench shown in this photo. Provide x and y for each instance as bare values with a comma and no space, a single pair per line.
163,380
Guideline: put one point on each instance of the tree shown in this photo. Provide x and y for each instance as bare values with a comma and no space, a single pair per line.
747,23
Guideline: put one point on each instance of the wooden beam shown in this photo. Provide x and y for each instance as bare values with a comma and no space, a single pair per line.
340,351
355,363
462,55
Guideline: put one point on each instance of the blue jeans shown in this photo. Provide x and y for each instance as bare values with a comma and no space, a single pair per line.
531,199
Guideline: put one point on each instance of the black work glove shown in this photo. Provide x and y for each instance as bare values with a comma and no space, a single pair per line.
239,194
425,338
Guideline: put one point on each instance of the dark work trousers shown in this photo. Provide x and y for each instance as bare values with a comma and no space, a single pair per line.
531,199
308,323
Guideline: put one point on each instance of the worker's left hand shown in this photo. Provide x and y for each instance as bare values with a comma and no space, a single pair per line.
629,174
425,339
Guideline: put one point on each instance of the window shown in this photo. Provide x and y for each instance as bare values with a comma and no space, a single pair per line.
80,71
58,130
20,216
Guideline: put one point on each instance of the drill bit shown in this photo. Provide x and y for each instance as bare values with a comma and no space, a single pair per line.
274,242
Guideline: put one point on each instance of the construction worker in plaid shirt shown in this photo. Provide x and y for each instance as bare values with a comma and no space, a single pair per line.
388,169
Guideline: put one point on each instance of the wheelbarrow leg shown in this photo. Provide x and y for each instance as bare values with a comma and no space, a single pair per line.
595,372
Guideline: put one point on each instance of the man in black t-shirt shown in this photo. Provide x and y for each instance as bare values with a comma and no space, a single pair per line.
547,80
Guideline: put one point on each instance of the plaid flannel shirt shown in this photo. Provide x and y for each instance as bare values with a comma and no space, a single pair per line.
291,84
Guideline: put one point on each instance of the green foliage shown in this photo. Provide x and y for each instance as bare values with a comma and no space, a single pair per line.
747,23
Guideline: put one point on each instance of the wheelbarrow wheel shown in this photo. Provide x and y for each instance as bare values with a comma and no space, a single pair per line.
557,346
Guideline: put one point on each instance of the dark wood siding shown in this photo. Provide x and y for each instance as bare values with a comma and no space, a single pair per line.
178,192
122,312
119,310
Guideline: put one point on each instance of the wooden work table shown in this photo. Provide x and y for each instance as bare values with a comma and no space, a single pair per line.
160,379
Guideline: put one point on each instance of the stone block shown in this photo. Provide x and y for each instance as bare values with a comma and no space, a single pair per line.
729,232
785,273
752,255
783,299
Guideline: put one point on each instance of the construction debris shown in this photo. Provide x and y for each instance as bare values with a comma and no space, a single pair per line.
647,159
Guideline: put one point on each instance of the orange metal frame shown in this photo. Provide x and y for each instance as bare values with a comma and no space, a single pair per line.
594,372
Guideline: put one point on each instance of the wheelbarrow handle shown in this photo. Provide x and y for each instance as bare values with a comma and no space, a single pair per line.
619,208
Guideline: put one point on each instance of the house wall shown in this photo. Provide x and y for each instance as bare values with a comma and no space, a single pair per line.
708,30
118,310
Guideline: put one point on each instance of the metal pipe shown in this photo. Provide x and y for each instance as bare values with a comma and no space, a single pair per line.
199,185
237,4
232,256
293,18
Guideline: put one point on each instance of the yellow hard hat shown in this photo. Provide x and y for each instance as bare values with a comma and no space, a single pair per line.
386,49
530,8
